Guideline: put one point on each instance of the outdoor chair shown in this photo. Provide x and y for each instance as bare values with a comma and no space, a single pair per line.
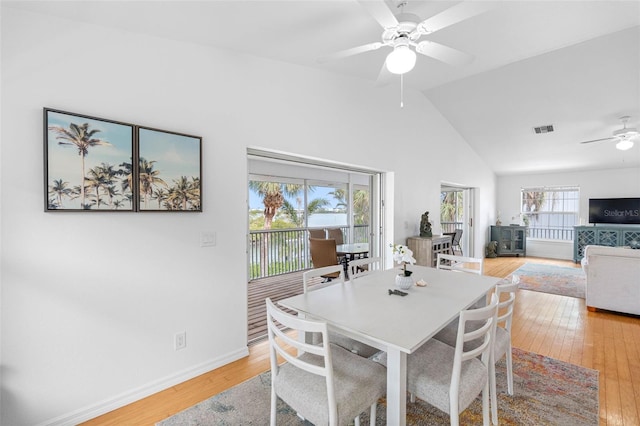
336,234
455,242
323,253
317,233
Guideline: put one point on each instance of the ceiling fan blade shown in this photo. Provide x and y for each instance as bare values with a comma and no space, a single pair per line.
380,12
384,77
350,52
453,15
599,140
443,53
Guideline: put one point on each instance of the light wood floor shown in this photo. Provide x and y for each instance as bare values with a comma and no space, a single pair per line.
555,326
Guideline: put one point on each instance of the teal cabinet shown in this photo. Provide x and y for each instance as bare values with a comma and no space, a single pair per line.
512,240
603,235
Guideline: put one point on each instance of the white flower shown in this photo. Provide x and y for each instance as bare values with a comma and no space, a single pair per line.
402,254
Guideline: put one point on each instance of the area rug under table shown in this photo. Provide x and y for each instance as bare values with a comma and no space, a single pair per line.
562,280
547,392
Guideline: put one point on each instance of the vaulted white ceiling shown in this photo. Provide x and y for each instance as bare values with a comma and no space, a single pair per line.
573,64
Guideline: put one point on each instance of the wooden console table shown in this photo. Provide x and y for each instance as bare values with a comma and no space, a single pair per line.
426,249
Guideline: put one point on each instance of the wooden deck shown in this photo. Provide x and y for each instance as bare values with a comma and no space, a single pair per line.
277,288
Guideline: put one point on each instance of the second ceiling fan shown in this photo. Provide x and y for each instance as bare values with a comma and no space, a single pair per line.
403,32
624,136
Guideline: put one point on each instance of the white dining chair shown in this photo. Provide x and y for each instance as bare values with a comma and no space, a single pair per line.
474,265
450,378
364,266
470,265
309,283
316,278
326,384
502,343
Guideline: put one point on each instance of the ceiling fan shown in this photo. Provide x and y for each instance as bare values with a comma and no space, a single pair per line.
402,33
624,136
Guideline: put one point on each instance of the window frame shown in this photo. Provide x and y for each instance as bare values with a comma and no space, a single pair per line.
563,199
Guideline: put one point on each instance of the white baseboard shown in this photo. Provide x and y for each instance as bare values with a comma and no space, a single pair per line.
118,401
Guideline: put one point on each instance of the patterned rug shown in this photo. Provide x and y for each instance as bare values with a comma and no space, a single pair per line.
546,392
562,280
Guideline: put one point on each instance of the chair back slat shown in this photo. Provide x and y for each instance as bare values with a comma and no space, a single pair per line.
484,323
280,341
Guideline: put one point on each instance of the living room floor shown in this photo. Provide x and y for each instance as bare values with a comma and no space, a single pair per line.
551,325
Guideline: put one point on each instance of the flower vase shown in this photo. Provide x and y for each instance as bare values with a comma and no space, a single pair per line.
404,280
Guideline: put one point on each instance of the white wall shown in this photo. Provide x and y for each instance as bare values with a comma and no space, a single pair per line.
614,183
91,302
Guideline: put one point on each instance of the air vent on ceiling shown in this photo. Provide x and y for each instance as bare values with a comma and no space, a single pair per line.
543,129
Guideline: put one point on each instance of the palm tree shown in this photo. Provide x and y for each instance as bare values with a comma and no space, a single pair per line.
149,180
340,195
160,195
97,180
532,202
361,207
451,206
272,194
314,206
81,138
126,171
273,199
361,204
59,190
107,177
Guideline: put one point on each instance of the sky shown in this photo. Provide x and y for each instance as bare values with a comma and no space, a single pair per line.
65,163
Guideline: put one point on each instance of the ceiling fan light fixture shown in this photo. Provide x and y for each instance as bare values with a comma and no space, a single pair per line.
401,60
624,145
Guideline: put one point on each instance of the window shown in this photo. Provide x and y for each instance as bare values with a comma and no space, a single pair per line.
550,212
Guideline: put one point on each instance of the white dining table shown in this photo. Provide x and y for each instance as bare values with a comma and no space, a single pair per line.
364,310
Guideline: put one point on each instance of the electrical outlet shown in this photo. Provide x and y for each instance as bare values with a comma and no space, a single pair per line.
180,340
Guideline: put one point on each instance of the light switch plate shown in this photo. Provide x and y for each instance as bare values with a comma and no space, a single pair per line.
207,239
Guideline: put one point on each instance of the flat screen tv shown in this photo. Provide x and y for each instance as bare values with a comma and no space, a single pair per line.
622,211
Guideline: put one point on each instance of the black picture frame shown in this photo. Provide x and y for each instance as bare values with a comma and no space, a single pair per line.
88,163
169,171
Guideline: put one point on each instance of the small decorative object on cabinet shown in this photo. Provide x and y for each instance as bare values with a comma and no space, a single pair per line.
512,240
425,226
426,249
603,235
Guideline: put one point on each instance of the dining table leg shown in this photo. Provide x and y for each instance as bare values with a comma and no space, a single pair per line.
396,387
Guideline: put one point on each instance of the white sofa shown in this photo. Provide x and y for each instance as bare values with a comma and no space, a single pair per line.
613,279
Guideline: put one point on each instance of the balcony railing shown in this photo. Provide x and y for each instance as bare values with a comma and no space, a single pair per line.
280,251
562,234
450,226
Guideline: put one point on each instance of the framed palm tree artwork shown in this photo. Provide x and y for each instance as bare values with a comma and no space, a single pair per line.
88,163
169,171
